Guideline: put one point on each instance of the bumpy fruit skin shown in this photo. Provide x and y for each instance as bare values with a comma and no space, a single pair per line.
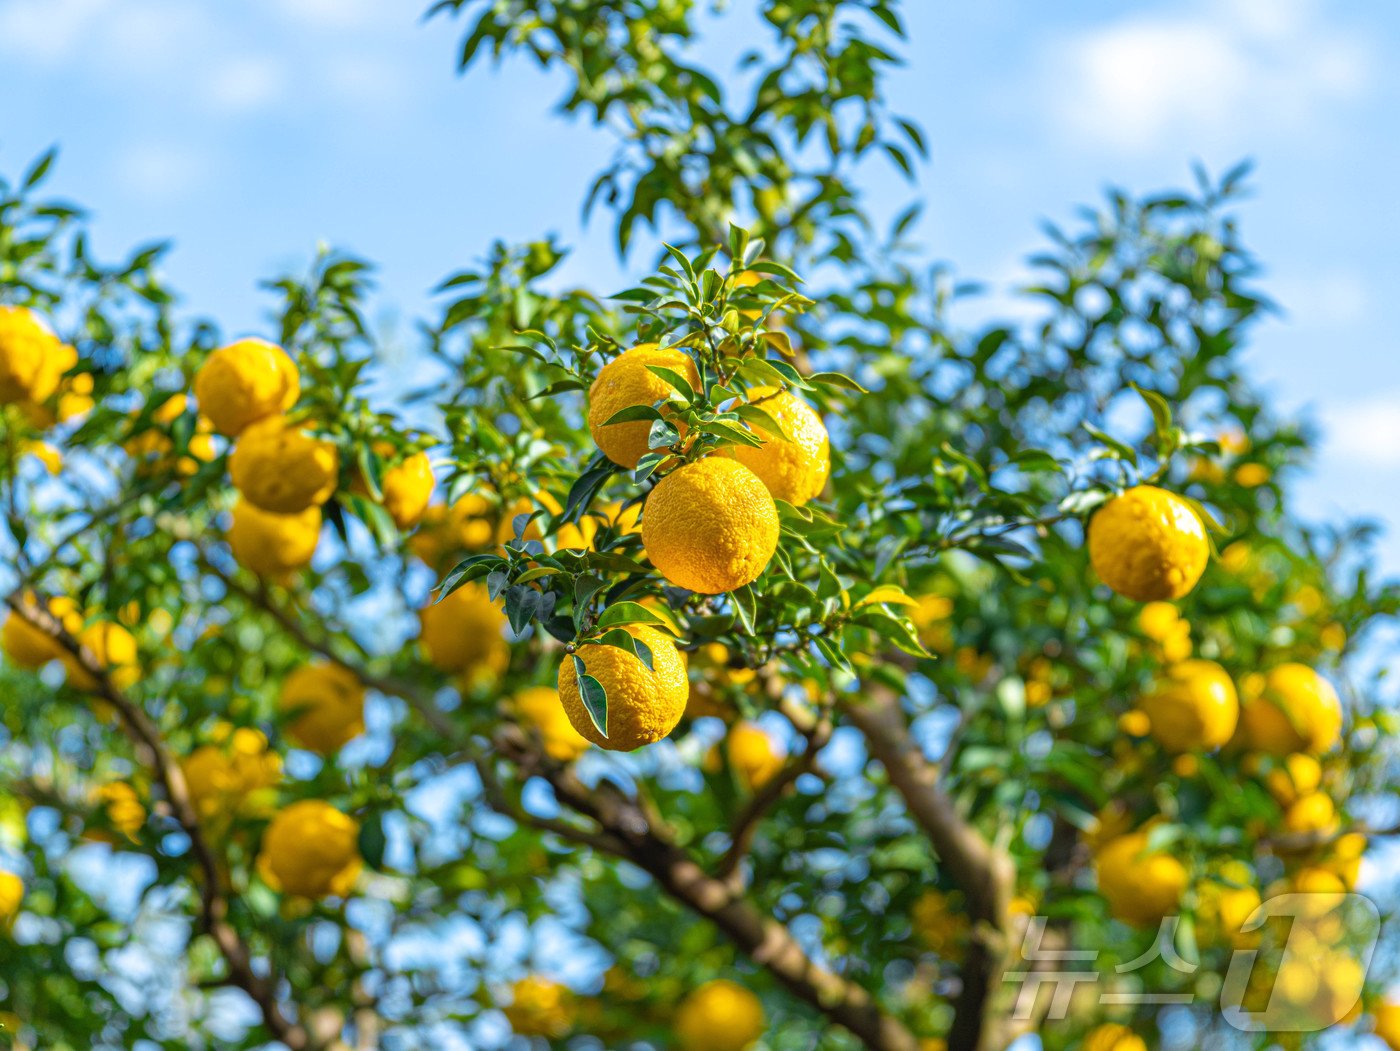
1148,544
710,526
11,897
30,648
794,469
245,382
1193,707
280,468
32,358
311,850
1112,1037
273,545
626,381
407,488
1140,888
643,706
719,1016
326,704
752,755
1297,711
539,1007
540,709
114,649
463,631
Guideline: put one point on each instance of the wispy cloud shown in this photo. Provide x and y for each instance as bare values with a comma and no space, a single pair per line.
1365,432
159,170
1135,84
245,84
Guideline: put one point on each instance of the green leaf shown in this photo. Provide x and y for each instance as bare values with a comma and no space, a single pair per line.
595,698
633,414
836,379
625,640
372,840
621,613
675,379
745,607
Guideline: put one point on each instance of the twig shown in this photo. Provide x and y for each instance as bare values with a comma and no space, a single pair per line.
214,901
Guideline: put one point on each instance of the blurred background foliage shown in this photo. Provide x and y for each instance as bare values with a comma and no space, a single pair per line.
964,465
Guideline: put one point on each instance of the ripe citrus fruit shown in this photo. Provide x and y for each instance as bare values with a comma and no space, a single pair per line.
1298,775
1148,544
122,807
1112,1037
1311,813
27,646
719,1016
114,650
272,545
626,381
1193,707
539,1007
710,526
463,632
32,358
245,382
1386,1024
793,464
752,755
407,487
326,704
1140,888
643,705
539,708
234,775
311,850
1223,907
280,468
1297,710
11,897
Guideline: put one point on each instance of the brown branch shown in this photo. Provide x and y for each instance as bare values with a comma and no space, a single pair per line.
764,940
214,895
626,830
985,874
746,825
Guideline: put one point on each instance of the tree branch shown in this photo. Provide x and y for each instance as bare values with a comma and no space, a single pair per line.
767,942
151,747
985,874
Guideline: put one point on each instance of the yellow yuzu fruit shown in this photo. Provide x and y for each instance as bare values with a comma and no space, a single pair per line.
272,545
710,526
1298,775
11,898
279,467
626,381
311,850
719,1016
1192,707
244,382
30,647
1140,888
113,648
793,464
1314,812
539,708
644,704
464,631
1296,710
1112,1037
1385,1023
1148,544
326,704
539,1007
752,755
32,358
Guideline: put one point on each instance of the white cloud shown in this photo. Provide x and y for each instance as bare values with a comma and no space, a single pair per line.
242,85
1365,432
1215,69
159,170
47,31
1322,300
341,14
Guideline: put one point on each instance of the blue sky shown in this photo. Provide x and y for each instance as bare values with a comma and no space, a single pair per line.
248,133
